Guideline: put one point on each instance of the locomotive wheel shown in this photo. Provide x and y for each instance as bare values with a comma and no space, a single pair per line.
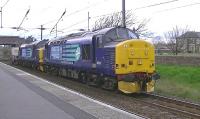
45,69
83,78
56,71
92,80
99,81
60,73
109,84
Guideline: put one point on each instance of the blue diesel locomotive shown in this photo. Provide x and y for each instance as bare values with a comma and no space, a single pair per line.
111,58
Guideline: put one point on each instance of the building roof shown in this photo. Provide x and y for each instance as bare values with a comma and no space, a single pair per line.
190,34
12,40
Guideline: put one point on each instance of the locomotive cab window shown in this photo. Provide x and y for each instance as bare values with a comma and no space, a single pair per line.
99,41
119,34
111,36
86,52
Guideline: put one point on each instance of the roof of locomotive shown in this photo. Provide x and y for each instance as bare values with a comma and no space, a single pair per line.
41,43
38,44
67,37
105,30
83,35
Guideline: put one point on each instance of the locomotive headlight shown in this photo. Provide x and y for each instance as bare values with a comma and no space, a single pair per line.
116,66
139,61
130,62
132,52
125,46
152,65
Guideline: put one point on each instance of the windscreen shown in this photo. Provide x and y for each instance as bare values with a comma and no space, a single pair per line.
119,34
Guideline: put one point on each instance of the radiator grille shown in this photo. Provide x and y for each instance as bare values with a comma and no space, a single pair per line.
109,58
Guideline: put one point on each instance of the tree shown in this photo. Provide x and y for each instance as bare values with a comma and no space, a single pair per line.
115,20
173,40
159,44
30,39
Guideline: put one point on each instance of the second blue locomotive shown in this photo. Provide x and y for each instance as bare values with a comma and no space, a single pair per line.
111,58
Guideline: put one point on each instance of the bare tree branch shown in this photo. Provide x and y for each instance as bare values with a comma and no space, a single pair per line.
175,39
115,20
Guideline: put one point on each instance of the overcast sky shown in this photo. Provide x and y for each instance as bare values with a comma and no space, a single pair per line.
162,17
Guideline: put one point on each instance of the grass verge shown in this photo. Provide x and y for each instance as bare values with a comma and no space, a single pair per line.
179,81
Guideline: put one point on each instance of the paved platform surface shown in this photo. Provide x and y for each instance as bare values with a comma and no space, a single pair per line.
25,96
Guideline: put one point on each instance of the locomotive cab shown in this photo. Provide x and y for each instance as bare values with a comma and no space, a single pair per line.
119,53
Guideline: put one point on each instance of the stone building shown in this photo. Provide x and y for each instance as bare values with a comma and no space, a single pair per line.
13,40
191,42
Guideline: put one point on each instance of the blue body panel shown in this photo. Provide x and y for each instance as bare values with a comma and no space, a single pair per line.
28,54
70,55
106,61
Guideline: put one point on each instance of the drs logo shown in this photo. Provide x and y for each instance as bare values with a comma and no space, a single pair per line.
71,53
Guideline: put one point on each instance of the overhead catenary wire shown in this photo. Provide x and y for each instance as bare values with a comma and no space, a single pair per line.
5,3
72,13
69,27
143,7
77,23
152,5
188,5
92,5
156,4
148,6
77,11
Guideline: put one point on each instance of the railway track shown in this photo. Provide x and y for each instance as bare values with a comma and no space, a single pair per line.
172,105
148,105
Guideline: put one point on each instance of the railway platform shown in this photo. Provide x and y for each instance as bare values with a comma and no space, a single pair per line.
26,96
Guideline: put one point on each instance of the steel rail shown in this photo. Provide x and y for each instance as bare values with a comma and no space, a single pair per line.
171,108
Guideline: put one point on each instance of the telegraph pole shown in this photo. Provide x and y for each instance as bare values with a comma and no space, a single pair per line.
41,30
88,21
2,12
123,14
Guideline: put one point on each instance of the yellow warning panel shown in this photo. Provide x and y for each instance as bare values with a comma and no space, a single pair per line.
134,56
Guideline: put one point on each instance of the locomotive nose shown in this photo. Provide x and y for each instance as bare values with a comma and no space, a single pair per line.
134,56
134,66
